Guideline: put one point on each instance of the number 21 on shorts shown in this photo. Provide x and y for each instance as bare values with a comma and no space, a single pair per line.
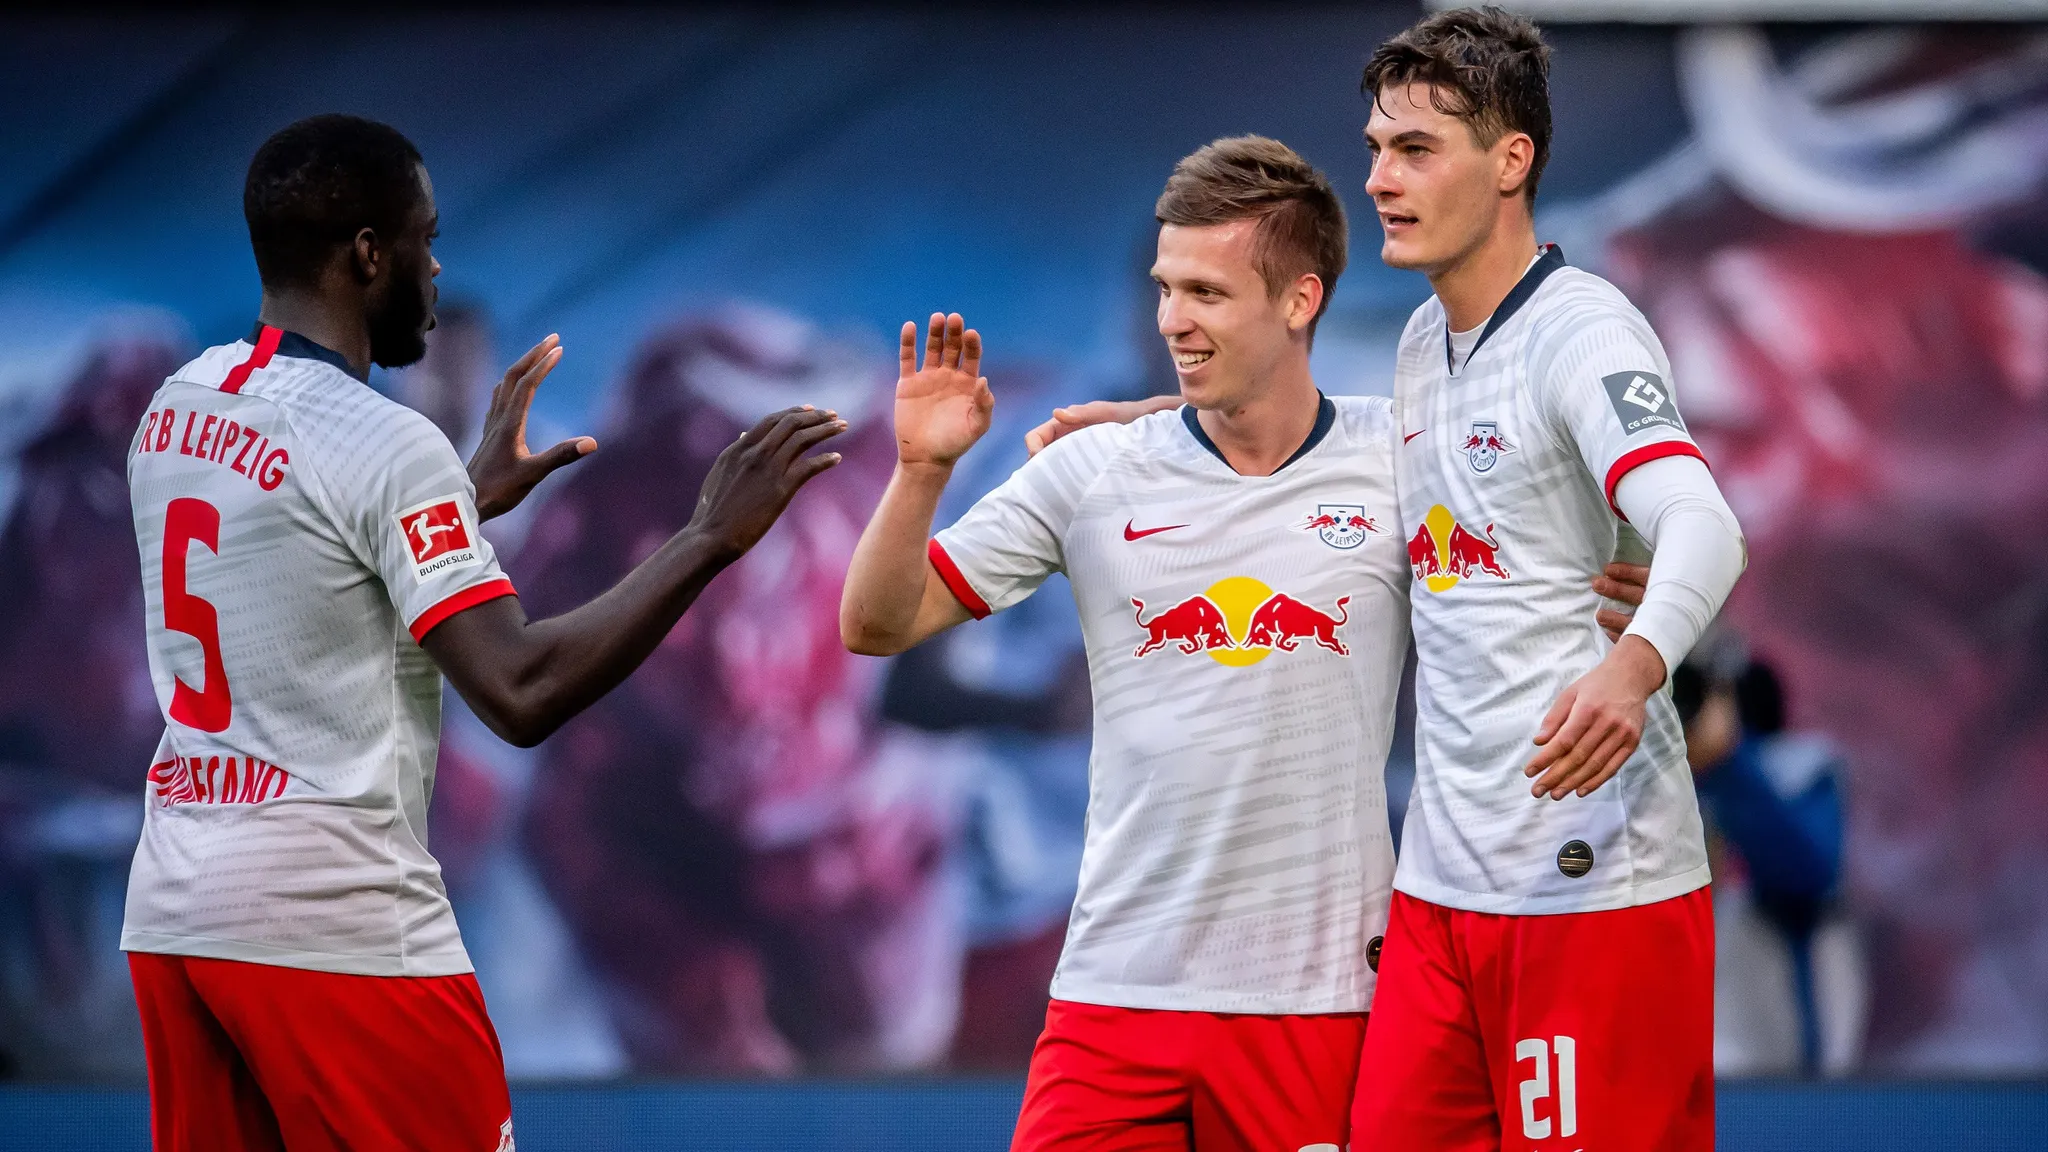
1538,1087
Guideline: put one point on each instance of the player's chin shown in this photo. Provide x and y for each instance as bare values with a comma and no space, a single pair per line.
1404,253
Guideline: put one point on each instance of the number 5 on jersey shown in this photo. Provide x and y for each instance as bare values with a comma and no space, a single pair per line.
212,705
1537,1087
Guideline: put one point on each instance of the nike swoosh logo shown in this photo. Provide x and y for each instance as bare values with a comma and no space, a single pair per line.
1413,435
1133,532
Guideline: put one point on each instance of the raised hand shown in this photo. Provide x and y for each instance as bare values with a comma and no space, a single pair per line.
502,469
753,480
943,407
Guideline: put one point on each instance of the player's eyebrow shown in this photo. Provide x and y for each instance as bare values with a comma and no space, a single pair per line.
1410,136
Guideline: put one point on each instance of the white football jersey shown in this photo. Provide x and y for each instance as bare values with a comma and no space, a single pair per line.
1507,475
298,533
1245,636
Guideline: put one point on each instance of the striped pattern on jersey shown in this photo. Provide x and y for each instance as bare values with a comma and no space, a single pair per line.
1245,637
1507,473
298,532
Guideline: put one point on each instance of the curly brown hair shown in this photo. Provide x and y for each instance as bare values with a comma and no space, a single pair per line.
1486,66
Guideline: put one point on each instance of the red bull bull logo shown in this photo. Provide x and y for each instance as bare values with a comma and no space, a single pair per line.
1239,621
1485,445
1443,552
1343,526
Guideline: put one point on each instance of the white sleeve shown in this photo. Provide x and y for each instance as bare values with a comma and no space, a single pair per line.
1013,538
409,510
1698,551
1607,393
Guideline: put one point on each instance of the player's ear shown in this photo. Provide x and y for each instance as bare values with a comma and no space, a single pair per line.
1517,153
1304,300
366,255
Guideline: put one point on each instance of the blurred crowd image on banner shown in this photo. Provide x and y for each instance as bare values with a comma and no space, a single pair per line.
764,857
1847,264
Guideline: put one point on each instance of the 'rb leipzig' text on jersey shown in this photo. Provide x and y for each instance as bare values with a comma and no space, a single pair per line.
1507,468
1245,636
299,533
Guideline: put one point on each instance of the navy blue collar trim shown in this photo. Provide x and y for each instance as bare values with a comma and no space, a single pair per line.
1326,419
1550,261
293,344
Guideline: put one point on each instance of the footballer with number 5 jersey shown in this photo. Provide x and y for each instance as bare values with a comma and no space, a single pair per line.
312,565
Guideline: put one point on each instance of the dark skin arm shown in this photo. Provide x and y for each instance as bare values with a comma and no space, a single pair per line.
526,678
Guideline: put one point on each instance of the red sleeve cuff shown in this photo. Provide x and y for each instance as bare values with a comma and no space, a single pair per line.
1631,460
957,584
467,598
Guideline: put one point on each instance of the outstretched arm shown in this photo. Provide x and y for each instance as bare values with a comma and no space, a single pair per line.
893,598
526,678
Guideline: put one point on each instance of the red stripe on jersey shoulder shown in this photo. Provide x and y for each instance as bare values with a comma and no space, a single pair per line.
1632,460
465,599
266,347
957,584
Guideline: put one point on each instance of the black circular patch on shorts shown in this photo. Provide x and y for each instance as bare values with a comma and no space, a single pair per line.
1575,859
1372,953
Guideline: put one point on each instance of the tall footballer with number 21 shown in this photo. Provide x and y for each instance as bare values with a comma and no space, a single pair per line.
1548,973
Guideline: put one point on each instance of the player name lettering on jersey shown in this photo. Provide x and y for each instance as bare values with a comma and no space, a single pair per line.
208,436
216,780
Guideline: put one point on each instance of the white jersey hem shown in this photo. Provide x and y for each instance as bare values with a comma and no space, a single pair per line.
249,952
1205,1000
1505,904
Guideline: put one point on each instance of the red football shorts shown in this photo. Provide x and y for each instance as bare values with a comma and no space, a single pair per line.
1589,1030
1117,1079
253,1056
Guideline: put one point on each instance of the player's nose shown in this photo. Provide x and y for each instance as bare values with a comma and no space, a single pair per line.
1381,181
1172,320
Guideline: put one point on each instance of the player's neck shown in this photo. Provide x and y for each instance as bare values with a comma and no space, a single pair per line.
1259,435
315,318
1474,285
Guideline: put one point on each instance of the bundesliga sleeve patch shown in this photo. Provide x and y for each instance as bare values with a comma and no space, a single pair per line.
1642,400
440,537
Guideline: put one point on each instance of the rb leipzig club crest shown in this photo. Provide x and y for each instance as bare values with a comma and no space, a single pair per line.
1484,446
1342,525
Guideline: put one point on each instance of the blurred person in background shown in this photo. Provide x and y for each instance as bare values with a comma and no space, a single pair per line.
1791,983
758,867
1847,263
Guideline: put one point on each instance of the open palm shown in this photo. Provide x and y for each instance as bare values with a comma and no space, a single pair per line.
943,407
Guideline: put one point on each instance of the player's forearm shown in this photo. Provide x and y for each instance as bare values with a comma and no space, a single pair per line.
1699,552
525,679
885,584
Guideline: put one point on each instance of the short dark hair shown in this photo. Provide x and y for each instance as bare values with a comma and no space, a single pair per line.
315,183
1486,66
1301,221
